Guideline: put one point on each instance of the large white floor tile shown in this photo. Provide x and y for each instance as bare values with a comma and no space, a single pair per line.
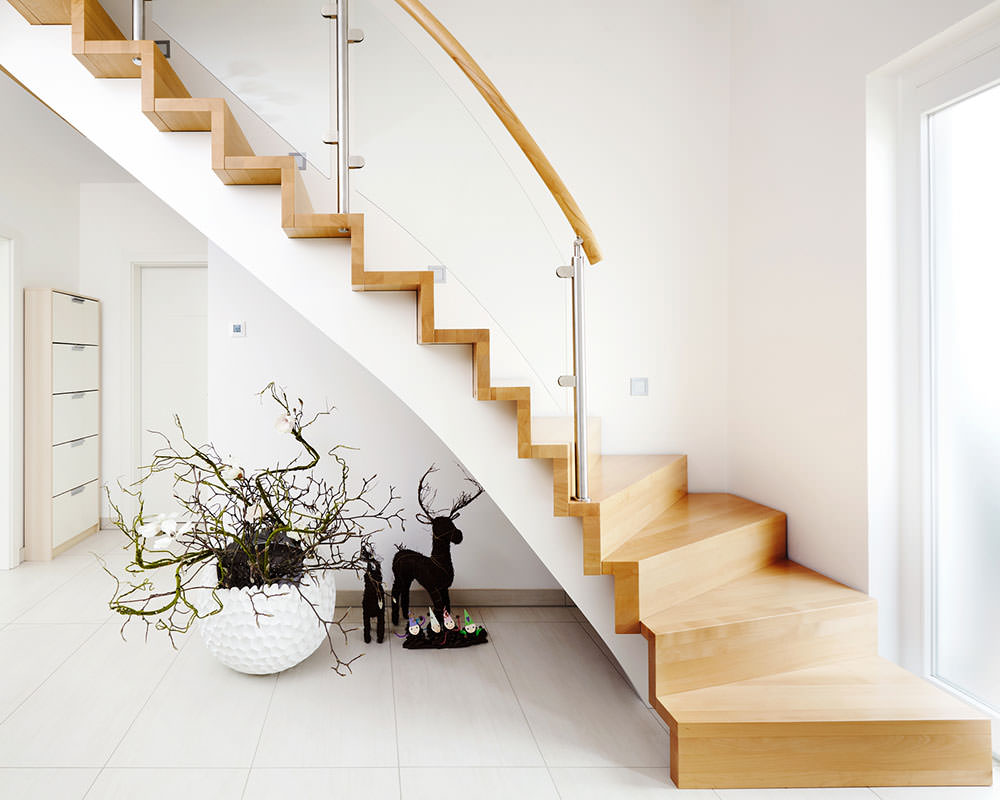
202,714
77,716
449,699
858,793
622,783
102,542
481,783
347,783
45,784
582,712
320,719
25,585
83,598
168,784
943,792
30,654
527,614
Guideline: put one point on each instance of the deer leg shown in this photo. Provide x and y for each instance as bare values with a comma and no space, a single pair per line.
438,596
368,626
394,600
380,626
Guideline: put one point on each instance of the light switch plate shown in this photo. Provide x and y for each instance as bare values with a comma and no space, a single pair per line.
238,329
440,273
639,387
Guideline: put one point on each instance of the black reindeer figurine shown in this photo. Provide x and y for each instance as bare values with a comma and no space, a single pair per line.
373,601
434,572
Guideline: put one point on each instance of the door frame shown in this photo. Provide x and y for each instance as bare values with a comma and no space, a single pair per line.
13,543
135,443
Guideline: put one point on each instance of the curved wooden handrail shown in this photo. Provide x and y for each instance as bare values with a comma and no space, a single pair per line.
440,34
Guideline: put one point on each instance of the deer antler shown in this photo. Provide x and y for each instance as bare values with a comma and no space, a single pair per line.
466,497
426,496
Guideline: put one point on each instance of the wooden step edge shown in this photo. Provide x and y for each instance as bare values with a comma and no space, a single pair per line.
99,44
460,335
159,81
258,170
49,12
761,644
620,558
649,631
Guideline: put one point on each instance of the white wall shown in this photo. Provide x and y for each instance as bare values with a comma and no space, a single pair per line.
122,224
393,442
42,161
798,260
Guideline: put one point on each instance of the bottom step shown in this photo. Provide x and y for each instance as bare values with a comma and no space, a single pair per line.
864,722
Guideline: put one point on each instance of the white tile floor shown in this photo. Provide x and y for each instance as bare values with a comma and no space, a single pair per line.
540,712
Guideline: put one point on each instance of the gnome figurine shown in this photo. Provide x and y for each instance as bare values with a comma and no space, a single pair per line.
415,638
471,633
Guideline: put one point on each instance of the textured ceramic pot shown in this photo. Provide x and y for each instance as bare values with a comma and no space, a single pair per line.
284,634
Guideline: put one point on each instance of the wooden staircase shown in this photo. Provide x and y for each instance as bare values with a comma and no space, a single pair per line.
766,672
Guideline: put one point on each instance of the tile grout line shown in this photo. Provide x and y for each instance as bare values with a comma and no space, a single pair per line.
58,666
173,663
260,734
520,707
395,713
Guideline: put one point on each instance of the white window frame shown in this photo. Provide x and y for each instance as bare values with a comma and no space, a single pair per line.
960,63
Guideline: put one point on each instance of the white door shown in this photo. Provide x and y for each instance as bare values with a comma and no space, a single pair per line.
173,365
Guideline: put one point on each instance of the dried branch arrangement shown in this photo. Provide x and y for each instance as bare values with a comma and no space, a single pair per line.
267,531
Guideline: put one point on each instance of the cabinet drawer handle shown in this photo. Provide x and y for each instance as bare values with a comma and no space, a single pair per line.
77,490
78,300
78,396
77,442
78,348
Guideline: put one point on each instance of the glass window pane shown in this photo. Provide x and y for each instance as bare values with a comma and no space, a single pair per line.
965,409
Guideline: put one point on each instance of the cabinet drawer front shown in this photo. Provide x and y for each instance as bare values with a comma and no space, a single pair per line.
75,320
75,511
75,368
74,464
75,415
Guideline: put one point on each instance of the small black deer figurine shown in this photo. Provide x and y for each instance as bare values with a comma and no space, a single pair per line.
373,600
434,572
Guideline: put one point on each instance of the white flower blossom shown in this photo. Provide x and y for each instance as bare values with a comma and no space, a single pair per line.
230,474
168,524
285,423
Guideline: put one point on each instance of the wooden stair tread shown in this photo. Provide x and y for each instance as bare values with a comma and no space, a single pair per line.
775,590
614,474
870,689
692,518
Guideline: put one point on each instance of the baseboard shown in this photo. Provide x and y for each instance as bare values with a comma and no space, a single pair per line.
473,597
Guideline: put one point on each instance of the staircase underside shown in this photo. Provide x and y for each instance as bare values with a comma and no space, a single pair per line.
766,672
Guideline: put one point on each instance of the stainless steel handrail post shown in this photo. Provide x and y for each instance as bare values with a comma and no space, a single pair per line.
580,371
578,380
343,112
138,20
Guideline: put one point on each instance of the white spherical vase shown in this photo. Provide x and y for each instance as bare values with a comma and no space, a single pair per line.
283,631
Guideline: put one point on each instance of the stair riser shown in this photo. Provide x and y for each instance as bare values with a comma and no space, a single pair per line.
629,511
905,753
660,582
712,656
